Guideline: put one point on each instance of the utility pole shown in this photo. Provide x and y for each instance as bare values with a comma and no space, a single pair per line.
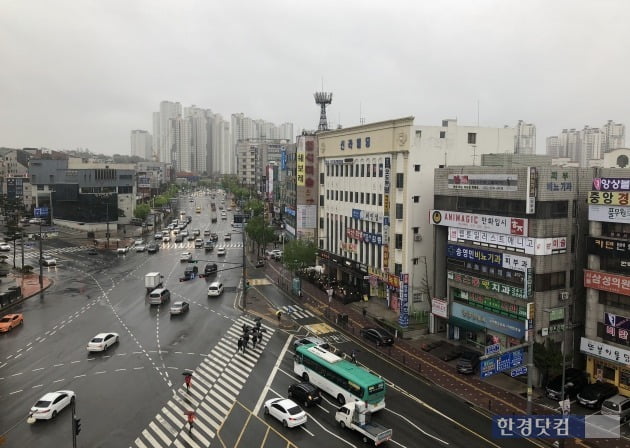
107,212
244,270
41,264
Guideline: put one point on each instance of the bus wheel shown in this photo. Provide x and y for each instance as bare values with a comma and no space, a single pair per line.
342,424
341,399
305,377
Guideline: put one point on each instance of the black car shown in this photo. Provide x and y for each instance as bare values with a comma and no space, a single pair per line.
190,237
304,393
152,248
574,381
211,268
593,395
92,251
378,336
214,237
260,263
179,238
468,363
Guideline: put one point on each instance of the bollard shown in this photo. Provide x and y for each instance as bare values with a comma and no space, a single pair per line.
489,404
419,368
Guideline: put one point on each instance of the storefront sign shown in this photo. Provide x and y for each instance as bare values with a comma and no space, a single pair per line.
556,314
607,246
283,158
489,223
484,182
366,237
348,247
300,164
289,211
487,320
532,189
289,228
390,279
605,351
611,184
357,143
609,198
506,361
617,328
15,187
386,256
491,304
609,214
439,308
531,246
507,261
559,182
487,284
367,215
605,281
403,317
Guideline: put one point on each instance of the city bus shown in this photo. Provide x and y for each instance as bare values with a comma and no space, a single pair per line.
342,379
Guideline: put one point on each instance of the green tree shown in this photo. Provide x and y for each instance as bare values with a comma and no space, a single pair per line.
256,206
258,232
142,211
299,254
548,359
160,201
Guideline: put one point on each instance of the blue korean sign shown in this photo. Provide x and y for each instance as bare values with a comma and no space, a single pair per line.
522,370
555,426
491,321
283,158
492,349
403,318
474,254
41,212
503,362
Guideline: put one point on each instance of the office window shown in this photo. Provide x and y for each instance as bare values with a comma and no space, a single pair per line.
345,169
321,223
380,199
442,134
416,199
399,211
321,178
399,241
400,180
472,138
373,198
416,168
345,195
362,197
336,195
397,268
352,196
351,170
362,170
321,200
368,170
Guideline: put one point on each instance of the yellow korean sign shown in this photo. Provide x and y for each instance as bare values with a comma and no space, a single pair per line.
609,197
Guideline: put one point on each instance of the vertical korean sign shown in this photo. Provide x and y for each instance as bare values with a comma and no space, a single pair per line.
532,185
403,318
301,163
386,187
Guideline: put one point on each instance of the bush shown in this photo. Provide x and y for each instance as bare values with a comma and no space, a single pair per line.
27,269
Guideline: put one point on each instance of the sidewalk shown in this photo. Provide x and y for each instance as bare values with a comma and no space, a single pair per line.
499,394
29,285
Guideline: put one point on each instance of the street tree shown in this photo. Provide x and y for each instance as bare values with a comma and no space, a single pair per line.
299,254
142,211
258,232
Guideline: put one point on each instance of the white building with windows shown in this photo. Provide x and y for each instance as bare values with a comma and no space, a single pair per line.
141,144
525,138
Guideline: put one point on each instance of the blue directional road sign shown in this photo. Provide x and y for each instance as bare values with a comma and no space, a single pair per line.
503,362
41,212
522,370
492,349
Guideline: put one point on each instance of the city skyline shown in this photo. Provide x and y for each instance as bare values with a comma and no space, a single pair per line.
92,70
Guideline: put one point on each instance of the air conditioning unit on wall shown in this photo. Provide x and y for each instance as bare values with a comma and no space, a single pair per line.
417,237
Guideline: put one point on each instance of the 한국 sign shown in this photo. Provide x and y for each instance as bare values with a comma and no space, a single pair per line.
490,223
609,213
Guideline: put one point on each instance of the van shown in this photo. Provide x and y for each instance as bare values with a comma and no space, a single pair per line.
159,296
617,406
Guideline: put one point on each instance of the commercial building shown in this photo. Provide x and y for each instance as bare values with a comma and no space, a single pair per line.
606,341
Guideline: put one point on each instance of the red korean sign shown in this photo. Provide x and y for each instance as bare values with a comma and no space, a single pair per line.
605,281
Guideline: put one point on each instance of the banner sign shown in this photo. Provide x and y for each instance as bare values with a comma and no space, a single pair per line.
494,322
439,307
605,351
403,318
489,285
617,328
609,214
506,361
611,184
491,304
531,246
366,237
507,261
532,189
283,158
605,281
485,182
366,215
606,246
489,223
609,198
300,164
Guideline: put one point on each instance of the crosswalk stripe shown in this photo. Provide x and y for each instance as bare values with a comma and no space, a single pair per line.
174,420
217,405
184,435
147,435
160,433
243,367
216,419
179,444
139,443
201,416
229,387
223,400
235,378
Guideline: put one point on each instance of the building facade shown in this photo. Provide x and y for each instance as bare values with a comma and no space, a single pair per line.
525,138
141,144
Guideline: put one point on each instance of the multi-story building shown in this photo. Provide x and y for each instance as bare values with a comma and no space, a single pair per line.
606,341
614,136
162,138
141,144
525,138
375,194
583,146
507,251
151,178
253,156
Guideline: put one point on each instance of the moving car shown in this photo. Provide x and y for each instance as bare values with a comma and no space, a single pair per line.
122,250
208,245
214,237
10,321
179,239
138,242
594,394
51,404
198,243
260,263
377,335
190,237
211,268
4,247
48,260
215,289
468,362
35,221
185,256
152,248
179,307
166,239
196,232
305,393
285,411
220,251
141,248
158,236
227,237
102,342
276,254
206,232
574,381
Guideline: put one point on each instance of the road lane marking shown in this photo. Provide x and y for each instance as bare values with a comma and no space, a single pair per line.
16,374
15,392
39,385
58,381
98,373
80,376
57,365
271,376
35,370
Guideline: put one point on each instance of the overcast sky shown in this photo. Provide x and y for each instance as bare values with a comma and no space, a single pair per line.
84,73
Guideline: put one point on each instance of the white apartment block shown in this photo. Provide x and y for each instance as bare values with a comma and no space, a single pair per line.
162,129
375,194
525,138
141,144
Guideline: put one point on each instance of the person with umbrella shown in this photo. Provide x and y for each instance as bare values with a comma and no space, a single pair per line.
190,416
187,379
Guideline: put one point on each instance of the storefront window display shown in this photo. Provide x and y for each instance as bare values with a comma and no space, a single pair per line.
604,371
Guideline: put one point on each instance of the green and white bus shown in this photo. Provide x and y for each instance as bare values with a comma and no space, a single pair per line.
342,379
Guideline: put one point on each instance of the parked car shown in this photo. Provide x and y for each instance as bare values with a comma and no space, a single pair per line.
166,239
211,268
4,247
285,411
93,251
51,404
574,381
179,239
617,406
35,221
305,393
179,307
260,263
141,248
377,335
276,254
594,394
48,260
102,342
215,289
10,321
121,250
468,362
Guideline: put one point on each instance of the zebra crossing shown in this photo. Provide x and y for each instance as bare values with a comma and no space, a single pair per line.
55,251
191,245
296,312
216,384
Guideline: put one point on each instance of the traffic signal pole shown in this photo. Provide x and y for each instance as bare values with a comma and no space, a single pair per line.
244,271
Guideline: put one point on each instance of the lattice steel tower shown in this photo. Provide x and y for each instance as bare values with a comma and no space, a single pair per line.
323,99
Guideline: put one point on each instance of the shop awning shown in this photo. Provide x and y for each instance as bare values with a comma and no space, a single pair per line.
461,323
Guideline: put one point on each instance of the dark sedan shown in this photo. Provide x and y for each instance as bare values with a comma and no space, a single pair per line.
574,381
593,395
304,393
378,336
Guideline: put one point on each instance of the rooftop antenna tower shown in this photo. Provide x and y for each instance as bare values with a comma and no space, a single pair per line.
323,99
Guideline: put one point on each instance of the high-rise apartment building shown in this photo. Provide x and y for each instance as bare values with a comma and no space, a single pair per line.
525,138
162,138
141,144
583,146
614,136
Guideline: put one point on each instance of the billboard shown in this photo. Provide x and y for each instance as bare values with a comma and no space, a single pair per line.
491,321
306,216
531,246
487,257
608,198
611,184
474,221
532,189
617,328
605,351
608,247
439,307
605,281
403,317
483,182
486,284
300,164
609,213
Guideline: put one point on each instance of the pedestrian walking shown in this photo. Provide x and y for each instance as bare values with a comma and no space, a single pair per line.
188,380
190,415
240,344
245,341
254,339
364,312
279,315
353,356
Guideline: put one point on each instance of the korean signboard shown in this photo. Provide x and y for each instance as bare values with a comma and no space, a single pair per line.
609,197
494,322
607,246
532,188
506,361
605,281
439,307
283,158
488,223
484,182
308,195
489,285
386,188
366,215
306,216
403,317
366,237
15,187
559,182
530,246
605,351
300,164
471,298
144,182
507,261
617,328
611,184
609,213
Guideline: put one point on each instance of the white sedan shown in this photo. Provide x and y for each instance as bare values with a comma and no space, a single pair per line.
4,247
141,248
185,256
51,404
286,411
102,342
220,251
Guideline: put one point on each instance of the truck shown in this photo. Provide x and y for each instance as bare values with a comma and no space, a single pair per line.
355,416
152,280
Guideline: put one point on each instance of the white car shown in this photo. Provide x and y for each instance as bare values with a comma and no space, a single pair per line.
35,221
141,248
206,232
215,289
4,247
102,342
185,256
138,242
220,251
158,236
184,233
47,260
122,250
286,411
166,239
51,404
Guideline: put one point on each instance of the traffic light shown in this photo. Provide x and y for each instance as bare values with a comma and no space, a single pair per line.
76,423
